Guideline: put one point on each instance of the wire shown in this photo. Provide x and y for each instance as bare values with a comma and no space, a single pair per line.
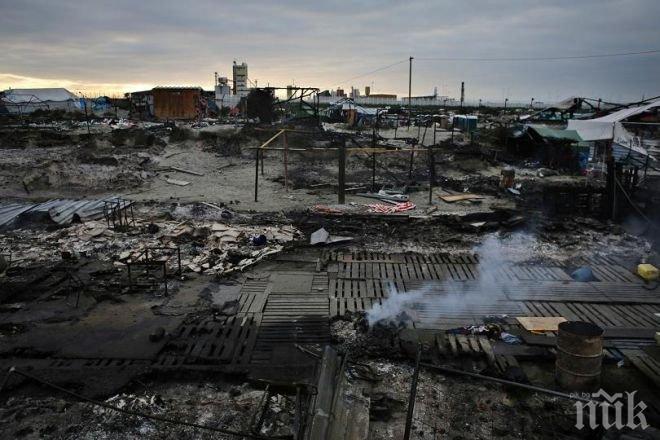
374,71
15,370
634,205
576,57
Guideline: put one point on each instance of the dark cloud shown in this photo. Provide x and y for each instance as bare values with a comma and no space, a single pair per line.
321,43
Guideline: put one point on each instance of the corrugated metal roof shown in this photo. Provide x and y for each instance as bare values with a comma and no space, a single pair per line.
60,211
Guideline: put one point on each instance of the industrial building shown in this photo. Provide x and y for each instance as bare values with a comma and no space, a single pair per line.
240,72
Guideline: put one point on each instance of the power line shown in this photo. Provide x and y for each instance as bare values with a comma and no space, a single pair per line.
575,57
494,59
374,71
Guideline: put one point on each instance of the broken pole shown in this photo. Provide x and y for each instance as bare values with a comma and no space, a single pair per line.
256,174
341,175
413,395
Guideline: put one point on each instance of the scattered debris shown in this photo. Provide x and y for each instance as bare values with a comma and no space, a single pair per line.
177,182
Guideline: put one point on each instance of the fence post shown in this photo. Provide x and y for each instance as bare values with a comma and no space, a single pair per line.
341,192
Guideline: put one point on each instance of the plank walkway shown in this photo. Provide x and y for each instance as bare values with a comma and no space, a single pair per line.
286,307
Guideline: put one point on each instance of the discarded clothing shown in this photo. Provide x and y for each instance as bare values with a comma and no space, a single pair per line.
510,339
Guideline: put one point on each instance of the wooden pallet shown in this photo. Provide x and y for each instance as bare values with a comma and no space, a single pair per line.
603,315
226,341
648,365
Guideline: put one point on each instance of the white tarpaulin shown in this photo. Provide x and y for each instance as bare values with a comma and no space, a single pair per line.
603,128
627,140
21,96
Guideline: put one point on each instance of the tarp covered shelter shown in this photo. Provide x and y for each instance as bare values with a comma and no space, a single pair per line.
555,134
603,128
20,101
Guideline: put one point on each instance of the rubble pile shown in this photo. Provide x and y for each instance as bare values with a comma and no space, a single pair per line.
210,248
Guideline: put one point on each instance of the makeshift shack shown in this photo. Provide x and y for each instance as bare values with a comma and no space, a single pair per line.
176,102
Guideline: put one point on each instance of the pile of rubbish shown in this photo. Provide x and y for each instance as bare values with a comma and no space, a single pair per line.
210,248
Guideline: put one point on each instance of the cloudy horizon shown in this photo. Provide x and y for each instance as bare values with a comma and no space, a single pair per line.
98,47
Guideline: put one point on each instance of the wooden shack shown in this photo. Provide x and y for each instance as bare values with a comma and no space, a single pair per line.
176,102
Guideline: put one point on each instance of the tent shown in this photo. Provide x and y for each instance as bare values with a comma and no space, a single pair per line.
19,101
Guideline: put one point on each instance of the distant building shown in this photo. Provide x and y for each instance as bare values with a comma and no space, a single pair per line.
222,86
240,79
176,102
340,93
355,93
382,96
141,104
224,96
367,91
22,101
289,92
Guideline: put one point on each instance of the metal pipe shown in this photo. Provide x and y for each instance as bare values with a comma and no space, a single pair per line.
506,382
413,394
14,370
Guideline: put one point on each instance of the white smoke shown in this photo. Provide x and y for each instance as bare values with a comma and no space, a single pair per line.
394,304
451,297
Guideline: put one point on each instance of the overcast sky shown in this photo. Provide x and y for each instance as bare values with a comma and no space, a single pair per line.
122,45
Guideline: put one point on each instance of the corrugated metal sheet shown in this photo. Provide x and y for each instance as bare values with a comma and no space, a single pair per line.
60,211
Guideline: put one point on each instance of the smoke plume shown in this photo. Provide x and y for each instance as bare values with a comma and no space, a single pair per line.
449,297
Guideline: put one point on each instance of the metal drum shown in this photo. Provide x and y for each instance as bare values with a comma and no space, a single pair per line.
579,356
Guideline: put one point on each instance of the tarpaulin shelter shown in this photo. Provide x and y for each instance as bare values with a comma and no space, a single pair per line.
603,128
22,101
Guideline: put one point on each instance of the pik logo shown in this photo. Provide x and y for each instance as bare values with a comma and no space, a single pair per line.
611,411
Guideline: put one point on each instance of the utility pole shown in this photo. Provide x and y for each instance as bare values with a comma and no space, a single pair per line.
410,91
462,94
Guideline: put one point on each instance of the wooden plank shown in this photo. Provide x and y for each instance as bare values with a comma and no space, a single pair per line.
474,344
487,348
453,345
540,324
463,343
441,343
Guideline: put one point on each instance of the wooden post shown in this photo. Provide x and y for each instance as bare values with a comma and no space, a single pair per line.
286,162
341,191
412,158
256,174
431,159
410,92
262,162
